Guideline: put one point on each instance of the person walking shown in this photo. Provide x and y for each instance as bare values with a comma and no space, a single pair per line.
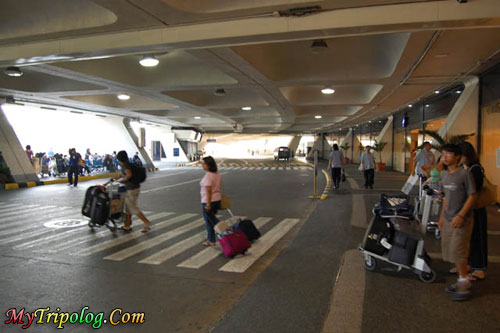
210,197
74,167
132,194
424,160
455,221
478,259
335,164
29,153
368,167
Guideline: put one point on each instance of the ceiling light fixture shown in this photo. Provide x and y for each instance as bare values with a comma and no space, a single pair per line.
13,71
410,105
436,91
246,108
318,117
149,61
327,90
123,97
220,92
319,46
427,105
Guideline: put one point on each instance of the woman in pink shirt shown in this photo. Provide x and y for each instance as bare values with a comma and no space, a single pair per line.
210,197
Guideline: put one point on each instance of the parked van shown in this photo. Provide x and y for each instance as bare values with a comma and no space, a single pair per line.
282,153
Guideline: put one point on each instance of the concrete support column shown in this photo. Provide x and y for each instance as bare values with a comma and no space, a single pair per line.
294,144
13,153
348,139
142,151
386,136
322,146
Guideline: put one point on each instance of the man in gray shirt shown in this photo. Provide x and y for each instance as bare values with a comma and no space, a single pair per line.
335,163
424,159
368,166
455,222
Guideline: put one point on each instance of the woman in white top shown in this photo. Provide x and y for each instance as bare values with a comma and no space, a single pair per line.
210,197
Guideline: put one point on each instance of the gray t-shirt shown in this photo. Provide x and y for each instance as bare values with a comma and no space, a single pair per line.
457,186
423,157
368,160
336,157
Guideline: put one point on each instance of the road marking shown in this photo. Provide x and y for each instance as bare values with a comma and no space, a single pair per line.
19,219
15,208
145,245
346,305
205,256
273,168
39,227
241,264
266,168
173,185
14,215
172,251
169,175
133,235
52,238
10,205
288,168
352,183
244,168
237,168
358,212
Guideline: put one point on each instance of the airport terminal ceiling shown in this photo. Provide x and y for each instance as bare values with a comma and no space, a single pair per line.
238,66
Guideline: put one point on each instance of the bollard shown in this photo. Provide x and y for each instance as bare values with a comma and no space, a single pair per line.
314,196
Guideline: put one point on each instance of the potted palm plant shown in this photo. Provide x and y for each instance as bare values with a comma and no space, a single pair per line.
379,147
345,147
439,141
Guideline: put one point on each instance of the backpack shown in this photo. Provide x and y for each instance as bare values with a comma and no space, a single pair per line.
138,174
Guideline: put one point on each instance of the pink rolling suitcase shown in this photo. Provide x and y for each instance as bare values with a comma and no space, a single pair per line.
234,243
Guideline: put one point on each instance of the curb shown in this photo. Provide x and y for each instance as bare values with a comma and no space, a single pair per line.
15,186
328,186
186,164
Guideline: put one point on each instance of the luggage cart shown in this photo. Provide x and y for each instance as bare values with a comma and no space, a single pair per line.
106,205
433,199
397,238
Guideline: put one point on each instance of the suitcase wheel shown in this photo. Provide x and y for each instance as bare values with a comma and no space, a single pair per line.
427,277
370,263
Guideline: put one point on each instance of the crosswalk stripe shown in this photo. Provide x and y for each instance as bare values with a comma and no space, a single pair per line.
17,211
259,168
273,168
10,205
258,249
94,236
39,241
170,252
205,256
266,168
4,222
25,220
138,248
237,168
133,235
288,168
10,208
244,168
37,224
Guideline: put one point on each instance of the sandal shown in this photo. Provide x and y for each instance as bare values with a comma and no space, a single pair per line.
207,243
476,276
125,229
146,228
455,271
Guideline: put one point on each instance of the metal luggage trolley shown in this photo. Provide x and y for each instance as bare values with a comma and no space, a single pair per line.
396,237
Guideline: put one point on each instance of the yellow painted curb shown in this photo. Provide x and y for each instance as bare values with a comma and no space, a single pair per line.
11,186
328,186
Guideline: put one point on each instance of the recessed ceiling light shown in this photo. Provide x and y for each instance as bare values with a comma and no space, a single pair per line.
327,90
13,71
197,117
369,121
410,105
458,91
427,105
246,108
149,61
318,117
123,97
220,92
436,91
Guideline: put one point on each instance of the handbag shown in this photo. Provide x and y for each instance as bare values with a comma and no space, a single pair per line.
488,193
360,168
343,175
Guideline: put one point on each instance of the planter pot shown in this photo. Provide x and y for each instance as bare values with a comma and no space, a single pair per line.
346,160
380,166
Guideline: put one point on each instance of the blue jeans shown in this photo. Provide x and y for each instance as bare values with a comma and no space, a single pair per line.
210,219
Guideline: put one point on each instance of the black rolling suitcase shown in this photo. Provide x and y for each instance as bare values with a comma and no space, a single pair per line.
100,209
91,193
248,228
403,249
379,228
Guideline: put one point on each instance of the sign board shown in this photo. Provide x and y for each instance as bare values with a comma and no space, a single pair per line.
211,140
176,152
